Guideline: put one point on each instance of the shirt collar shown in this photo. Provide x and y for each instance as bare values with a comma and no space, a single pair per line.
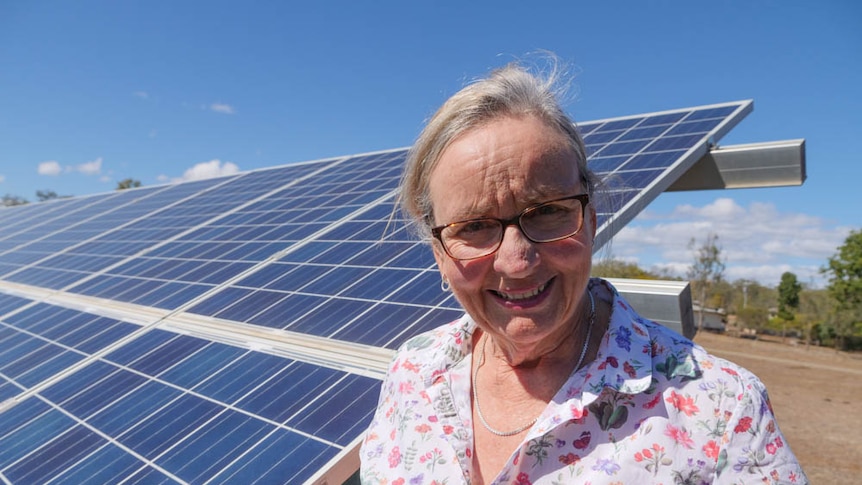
623,363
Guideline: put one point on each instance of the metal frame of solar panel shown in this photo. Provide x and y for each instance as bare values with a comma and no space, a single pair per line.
236,329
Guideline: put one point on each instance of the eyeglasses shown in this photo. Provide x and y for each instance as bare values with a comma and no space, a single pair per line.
546,222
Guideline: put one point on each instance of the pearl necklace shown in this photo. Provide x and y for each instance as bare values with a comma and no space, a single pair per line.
531,423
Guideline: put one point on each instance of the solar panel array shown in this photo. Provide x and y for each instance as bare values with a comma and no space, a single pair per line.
235,330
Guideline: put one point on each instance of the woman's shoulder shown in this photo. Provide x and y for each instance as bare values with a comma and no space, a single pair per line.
438,348
450,333
673,355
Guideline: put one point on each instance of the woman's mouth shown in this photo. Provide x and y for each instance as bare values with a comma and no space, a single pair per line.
524,296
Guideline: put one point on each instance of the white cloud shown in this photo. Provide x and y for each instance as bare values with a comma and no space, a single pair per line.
722,209
222,108
141,94
203,170
50,167
2,178
213,168
758,242
93,167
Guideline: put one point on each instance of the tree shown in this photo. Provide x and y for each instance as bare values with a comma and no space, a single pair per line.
706,270
788,299
44,195
723,295
750,293
844,270
128,184
615,268
9,200
751,317
814,306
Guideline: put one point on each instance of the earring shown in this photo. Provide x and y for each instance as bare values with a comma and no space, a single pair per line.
444,285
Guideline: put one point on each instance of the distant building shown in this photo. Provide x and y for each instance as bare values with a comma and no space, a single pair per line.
714,319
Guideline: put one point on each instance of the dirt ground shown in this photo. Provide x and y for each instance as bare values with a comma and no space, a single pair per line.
816,394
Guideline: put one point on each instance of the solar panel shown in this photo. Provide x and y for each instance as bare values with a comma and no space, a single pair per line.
235,330
165,400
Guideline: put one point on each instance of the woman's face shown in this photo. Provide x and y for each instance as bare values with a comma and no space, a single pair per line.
526,293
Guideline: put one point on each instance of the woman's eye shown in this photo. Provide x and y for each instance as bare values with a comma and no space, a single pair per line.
550,210
471,228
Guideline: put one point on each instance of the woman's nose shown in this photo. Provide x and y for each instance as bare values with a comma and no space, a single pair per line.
516,255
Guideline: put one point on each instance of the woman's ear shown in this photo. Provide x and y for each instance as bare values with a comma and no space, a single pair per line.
439,255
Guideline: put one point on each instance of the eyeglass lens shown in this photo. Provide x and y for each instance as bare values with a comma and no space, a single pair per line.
547,222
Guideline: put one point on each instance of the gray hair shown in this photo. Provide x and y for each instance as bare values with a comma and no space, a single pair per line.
509,91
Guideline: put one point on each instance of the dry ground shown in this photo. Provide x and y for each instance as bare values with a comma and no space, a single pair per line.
816,394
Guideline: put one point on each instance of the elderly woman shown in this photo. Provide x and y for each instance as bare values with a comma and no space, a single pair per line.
550,377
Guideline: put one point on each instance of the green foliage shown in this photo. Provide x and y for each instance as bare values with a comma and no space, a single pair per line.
723,294
826,334
760,295
782,327
788,296
748,294
814,303
844,270
615,268
814,307
128,184
753,317
10,200
44,195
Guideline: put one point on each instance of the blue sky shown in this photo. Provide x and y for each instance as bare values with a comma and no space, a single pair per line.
92,92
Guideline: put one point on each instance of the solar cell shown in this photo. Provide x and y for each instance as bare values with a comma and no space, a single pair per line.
11,302
168,230
235,329
77,229
171,401
53,456
22,224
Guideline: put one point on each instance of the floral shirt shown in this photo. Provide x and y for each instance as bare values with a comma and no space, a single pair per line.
653,407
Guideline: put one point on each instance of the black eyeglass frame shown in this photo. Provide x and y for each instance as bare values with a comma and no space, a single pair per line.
584,199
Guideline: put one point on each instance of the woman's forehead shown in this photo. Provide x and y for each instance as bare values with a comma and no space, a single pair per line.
508,144
511,162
